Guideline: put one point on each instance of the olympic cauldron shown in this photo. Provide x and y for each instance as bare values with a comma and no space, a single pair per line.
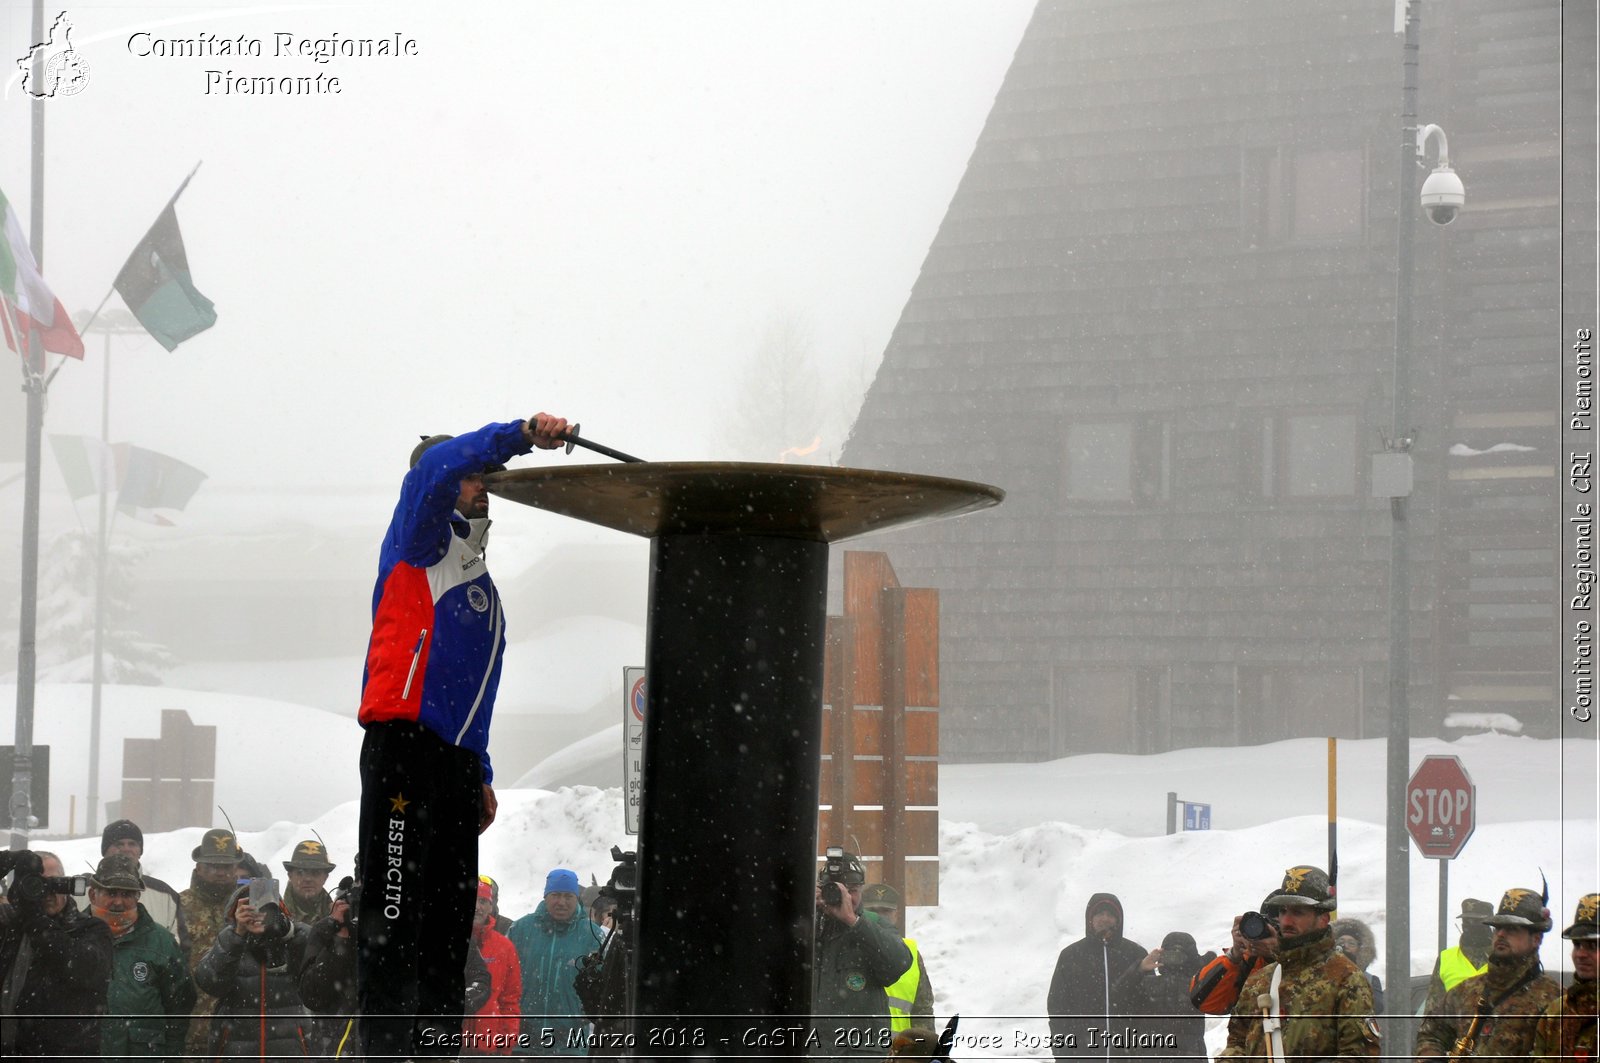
733,722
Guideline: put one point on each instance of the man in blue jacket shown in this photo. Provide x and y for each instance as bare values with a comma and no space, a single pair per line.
551,944
433,666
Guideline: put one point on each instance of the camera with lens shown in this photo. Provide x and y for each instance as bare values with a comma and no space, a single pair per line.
1258,926
835,868
26,862
349,891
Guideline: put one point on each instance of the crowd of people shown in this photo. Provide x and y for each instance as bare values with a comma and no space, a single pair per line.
232,968
1294,983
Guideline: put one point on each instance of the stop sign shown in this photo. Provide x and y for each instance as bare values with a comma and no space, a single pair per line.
1441,807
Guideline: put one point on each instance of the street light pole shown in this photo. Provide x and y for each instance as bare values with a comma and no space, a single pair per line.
1397,842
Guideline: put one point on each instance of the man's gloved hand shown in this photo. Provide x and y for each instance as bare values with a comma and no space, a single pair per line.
30,893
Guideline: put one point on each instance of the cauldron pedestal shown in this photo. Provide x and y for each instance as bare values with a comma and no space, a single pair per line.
727,845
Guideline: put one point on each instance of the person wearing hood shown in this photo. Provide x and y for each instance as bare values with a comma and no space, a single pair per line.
550,945
1311,1002
1468,956
1510,996
217,867
1566,1031
1355,939
151,991
427,695
1154,994
253,972
1083,1019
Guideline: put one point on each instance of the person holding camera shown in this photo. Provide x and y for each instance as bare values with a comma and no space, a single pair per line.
1312,1001
1215,987
55,963
151,991
253,972
328,974
858,956
1079,1002
1154,994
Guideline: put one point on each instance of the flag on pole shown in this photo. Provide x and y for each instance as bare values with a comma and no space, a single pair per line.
87,464
153,481
156,285
145,481
29,303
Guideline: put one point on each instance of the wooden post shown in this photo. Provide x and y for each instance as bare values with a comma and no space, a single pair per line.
839,671
892,617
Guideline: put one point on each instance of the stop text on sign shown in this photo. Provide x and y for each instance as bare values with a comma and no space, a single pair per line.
1446,808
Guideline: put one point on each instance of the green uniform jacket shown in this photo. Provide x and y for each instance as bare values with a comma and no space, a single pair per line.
150,997
1509,1031
1325,1001
1566,1031
853,965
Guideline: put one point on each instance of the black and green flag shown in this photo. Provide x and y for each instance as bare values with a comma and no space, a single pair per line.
156,285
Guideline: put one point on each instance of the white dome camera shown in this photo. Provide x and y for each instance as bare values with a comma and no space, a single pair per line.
1443,196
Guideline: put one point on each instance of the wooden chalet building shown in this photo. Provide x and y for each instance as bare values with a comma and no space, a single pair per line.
1160,313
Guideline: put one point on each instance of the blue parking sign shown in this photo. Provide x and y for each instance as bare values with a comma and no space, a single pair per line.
1196,816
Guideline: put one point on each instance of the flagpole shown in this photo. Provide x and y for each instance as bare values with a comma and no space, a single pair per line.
93,812
28,611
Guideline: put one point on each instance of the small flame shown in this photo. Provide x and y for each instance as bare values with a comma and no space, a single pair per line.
799,452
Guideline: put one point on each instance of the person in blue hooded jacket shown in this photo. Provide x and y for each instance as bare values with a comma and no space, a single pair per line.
551,944
432,671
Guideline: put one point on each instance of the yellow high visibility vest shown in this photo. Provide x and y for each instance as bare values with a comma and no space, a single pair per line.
903,993
1455,968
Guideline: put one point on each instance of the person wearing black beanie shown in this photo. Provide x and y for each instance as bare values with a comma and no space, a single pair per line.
122,837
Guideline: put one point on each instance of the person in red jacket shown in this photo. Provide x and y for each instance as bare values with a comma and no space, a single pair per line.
492,1031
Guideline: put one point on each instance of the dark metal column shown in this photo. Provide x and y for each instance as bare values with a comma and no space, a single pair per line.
727,844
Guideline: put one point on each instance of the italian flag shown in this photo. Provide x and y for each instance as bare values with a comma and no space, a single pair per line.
29,303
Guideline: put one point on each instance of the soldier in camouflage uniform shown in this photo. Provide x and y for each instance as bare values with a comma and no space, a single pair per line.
1567,1028
1511,994
307,899
205,902
1320,1001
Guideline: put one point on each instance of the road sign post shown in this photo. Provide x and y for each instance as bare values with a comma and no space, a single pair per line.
1441,814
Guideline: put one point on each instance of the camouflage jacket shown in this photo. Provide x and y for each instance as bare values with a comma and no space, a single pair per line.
205,919
1509,1030
1566,1030
1325,1001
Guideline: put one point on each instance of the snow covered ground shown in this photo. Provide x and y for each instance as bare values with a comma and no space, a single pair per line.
1022,845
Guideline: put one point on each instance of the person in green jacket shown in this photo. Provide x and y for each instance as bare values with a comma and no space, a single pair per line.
151,993
551,944
857,955
910,998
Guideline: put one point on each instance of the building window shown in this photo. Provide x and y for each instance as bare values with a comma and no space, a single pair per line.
1321,459
1310,455
1304,195
1127,460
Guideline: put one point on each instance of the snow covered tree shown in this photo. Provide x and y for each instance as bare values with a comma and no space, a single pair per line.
65,632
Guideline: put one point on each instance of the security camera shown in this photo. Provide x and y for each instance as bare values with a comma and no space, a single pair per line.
1443,195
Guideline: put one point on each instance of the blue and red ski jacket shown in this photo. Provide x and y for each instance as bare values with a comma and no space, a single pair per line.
437,630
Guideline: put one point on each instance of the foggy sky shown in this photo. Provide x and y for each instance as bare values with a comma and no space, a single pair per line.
590,208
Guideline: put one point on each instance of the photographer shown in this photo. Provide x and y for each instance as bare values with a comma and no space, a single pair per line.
252,971
55,962
328,973
857,955
1215,988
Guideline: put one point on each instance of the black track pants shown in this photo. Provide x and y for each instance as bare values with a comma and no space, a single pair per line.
420,798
